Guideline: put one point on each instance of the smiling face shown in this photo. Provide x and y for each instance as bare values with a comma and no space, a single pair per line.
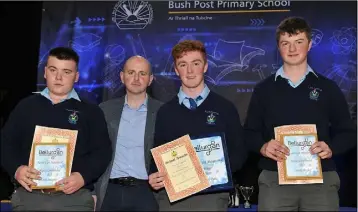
136,75
60,76
294,48
191,68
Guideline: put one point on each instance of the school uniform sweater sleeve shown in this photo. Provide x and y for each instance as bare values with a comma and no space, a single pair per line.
235,139
158,136
344,132
11,139
254,123
95,163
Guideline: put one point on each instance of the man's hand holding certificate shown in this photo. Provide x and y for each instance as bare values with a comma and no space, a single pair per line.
26,175
275,150
322,149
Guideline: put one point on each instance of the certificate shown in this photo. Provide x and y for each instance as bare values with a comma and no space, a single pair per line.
212,152
52,160
301,164
300,167
48,135
185,175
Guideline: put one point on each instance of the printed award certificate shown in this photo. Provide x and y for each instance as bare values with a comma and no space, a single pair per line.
185,175
48,135
300,167
52,161
212,152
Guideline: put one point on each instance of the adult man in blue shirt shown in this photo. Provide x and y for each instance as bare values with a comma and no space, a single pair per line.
130,119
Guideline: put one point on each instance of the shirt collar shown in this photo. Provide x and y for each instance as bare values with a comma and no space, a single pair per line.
72,95
281,73
144,104
204,93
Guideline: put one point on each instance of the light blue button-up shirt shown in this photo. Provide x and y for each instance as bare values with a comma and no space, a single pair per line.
281,73
129,158
73,94
183,98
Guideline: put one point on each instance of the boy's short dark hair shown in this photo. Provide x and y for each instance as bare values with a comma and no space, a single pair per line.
64,53
293,26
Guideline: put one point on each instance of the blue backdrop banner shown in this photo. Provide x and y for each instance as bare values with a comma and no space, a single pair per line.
239,37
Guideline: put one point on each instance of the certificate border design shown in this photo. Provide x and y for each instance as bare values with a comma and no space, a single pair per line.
318,159
204,182
71,135
67,162
294,130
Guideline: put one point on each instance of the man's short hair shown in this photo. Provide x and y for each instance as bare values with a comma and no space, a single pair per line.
185,46
64,53
293,26
138,56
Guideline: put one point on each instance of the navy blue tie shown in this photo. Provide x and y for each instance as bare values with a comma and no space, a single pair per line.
192,102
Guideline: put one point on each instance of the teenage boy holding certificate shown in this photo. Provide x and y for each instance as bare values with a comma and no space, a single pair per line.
197,111
57,108
297,95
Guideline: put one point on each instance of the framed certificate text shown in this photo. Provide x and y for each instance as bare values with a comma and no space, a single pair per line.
52,160
184,174
300,167
212,152
52,152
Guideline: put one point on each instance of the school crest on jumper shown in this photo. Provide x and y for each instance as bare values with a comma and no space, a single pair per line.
211,118
314,93
73,117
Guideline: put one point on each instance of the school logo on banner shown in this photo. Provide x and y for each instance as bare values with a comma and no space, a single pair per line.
132,14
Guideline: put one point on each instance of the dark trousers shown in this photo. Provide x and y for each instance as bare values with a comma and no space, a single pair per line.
23,200
137,197
308,197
